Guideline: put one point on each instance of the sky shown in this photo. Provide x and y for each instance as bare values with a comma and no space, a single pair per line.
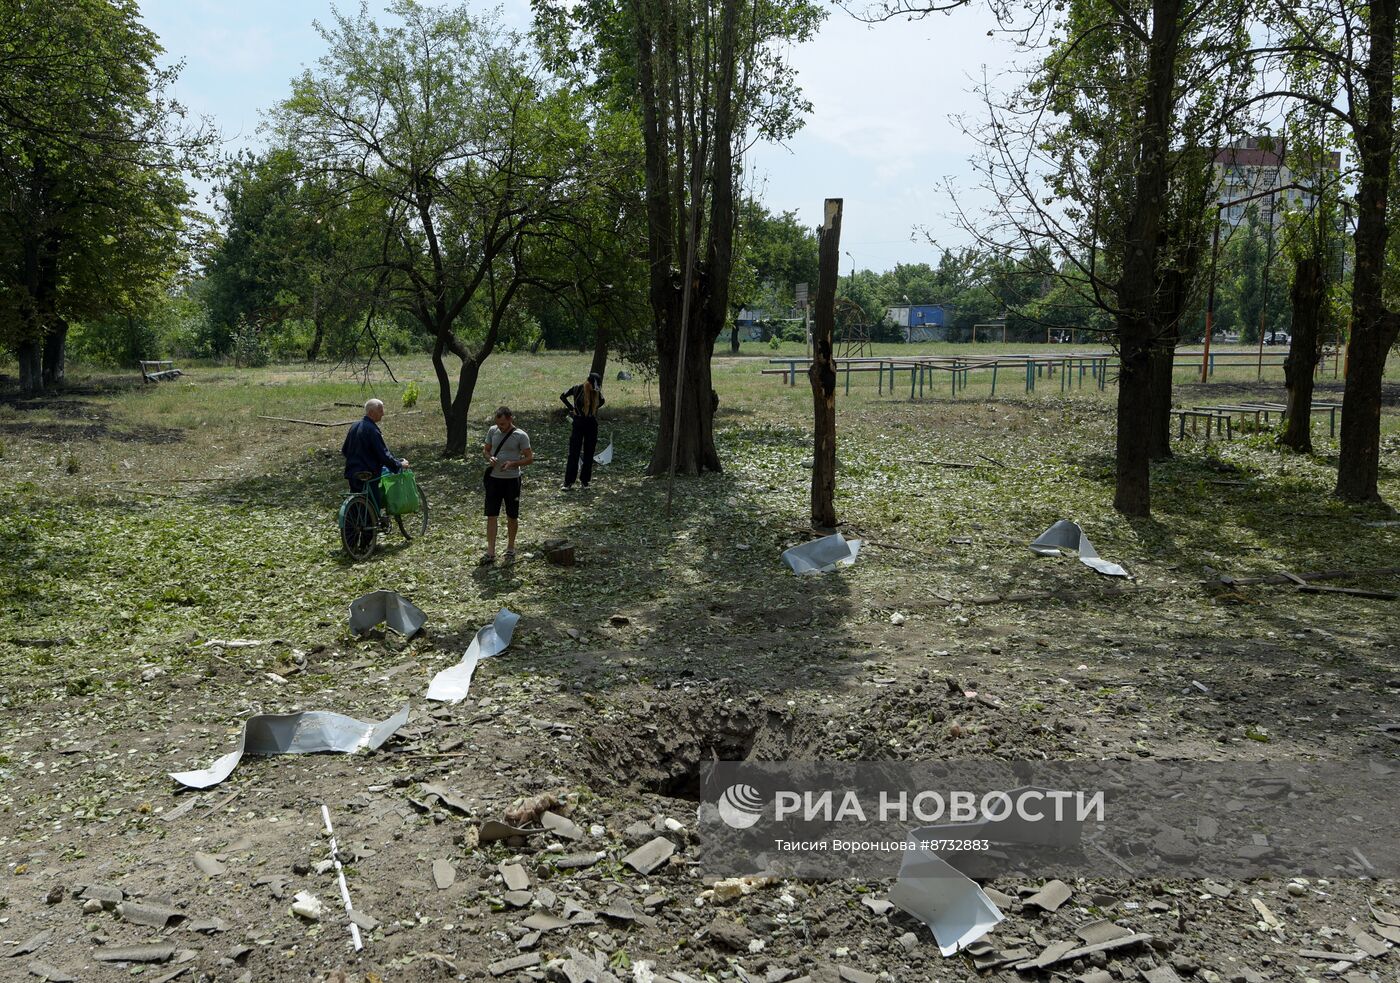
880,134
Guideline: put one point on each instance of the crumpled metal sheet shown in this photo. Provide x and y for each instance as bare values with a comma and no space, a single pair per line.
307,732
397,613
1066,535
605,455
451,685
951,904
822,555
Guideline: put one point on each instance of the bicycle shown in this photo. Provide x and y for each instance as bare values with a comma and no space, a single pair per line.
362,518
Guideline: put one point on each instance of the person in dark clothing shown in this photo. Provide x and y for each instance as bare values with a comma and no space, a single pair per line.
366,453
583,402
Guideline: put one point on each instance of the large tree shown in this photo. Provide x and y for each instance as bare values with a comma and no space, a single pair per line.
703,77
466,151
92,154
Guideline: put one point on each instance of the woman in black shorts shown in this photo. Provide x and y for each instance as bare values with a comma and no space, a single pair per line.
507,449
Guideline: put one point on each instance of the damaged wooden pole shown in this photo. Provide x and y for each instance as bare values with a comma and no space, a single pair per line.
822,372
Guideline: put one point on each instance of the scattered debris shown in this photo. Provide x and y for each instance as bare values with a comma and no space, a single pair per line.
605,456
649,856
444,874
157,953
340,878
151,915
52,974
822,555
393,610
451,685
1050,897
951,904
307,905
208,865
1066,535
33,944
308,732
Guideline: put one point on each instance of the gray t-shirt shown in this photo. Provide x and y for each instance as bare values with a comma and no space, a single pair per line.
512,448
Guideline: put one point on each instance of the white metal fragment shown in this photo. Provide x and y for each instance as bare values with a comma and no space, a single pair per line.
397,613
452,684
822,555
308,732
604,456
1066,535
951,904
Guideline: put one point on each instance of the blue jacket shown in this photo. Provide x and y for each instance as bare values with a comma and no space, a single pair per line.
365,450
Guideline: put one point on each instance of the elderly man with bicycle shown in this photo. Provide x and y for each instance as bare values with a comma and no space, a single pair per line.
366,454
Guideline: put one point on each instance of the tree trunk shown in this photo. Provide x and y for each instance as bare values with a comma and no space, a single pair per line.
1133,491
734,339
457,409
55,348
1163,362
1373,327
1309,291
600,350
822,372
30,355
314,351
695,452
1140,279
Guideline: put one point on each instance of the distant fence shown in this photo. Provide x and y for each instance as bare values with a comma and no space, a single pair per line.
1071,369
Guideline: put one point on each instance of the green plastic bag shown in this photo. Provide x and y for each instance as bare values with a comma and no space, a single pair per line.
400,492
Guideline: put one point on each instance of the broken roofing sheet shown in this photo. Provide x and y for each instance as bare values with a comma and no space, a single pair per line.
951,904
1066,535
822,555
396,612
308,732
451,685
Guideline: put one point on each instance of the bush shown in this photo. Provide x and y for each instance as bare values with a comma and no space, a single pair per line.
410,395
775,343
249,351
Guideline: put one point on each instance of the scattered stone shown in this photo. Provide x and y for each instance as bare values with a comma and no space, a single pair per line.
848,975
542,921
560,826
158,953
515,876
577,861
55,895
1095,976
444,874
91,906
518,899
50,973
307,905
32,944
151,915
730,934
1102,930
514,964
1217,889
909,941
878,905
1051,896
1296,890
647,858
208,926
208,866
366,922
1160,974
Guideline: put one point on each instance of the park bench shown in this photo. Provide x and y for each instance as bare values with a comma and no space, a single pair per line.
1208,414
1266,410
159,371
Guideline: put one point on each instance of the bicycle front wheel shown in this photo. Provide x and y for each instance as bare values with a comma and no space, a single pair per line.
358,528
415,525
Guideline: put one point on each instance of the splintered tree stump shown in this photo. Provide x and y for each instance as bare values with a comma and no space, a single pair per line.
561,556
